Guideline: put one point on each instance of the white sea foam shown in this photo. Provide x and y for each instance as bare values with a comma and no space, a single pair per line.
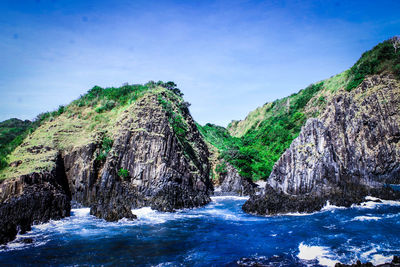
82,212
330,227
366,218
150,216
371,198
219,198
366,254
329,207
370,253
319,253
147,214
261,184
380,259
217,189
295,214
373,202
224,214
18,243
165,264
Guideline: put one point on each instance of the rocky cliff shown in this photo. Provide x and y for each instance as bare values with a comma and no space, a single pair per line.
148,153
352,149
33,198
223,147
164,170
231,183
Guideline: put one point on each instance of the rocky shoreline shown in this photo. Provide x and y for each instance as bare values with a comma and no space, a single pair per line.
31,199
157,157
160,170
348,152
272,202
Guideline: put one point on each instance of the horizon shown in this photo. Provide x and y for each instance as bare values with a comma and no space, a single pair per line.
227,58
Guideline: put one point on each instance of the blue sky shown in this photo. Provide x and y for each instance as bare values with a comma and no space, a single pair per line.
228,57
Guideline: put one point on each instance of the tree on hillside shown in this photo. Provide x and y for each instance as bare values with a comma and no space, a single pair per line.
170,85
396,42
151,84
173,87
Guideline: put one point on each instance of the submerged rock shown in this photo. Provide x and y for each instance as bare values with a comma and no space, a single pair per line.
112,213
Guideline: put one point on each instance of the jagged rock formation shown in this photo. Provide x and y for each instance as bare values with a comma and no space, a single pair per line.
160,174
231,183
349,151
157,159
225,176
34,198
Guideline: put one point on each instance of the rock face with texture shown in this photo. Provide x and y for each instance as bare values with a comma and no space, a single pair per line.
163,171
34,198
157,159
231,183
351,150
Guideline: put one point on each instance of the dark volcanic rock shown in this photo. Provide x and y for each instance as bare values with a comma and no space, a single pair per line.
165,172
172,197
82,172
231,183
112,212
274,202
34,198
348,152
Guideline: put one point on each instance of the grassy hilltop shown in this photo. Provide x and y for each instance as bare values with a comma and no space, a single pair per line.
91,118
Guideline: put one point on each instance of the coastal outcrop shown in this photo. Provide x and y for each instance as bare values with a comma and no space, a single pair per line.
231,183
116,149
33,198
149,153
163,170
350,151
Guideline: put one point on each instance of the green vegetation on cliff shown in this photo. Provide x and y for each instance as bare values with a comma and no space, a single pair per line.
258,141
177,111
12,133
91,118
382,58
255,152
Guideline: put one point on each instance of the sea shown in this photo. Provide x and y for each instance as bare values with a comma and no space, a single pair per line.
218,234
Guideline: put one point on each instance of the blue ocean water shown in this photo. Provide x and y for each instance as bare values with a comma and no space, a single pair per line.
219,234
